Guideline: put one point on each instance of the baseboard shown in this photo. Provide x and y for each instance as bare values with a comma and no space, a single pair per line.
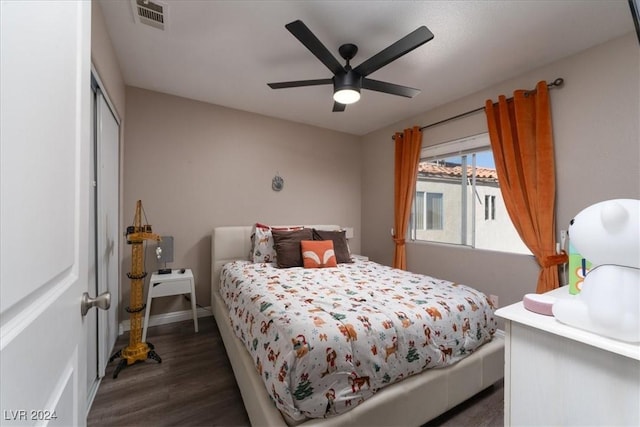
499,333
165,318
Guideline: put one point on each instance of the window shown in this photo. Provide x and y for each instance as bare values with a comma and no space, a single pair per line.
434,211
428,211
457,187
420,210
489,207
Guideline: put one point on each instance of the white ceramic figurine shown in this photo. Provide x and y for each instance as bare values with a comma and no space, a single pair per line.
608,235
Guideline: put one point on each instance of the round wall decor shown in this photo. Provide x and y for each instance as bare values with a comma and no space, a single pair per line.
277,183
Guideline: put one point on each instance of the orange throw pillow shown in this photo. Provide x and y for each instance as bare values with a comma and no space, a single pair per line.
318,254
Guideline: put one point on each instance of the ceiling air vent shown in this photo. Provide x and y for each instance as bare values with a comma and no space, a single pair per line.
150,13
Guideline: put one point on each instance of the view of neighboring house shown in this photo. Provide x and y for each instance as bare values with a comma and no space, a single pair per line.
467,210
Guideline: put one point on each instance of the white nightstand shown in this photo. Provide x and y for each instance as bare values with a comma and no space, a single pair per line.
176,283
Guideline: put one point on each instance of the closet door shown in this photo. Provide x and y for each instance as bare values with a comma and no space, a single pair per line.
108,229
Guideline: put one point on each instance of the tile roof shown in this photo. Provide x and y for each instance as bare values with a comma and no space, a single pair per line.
449,171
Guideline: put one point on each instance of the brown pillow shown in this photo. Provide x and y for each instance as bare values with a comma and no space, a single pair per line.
340,246
262,249
287,245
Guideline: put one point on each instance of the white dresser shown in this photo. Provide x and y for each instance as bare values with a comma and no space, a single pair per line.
560,375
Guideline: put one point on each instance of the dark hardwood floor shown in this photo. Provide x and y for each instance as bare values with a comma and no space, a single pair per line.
194,386
485,409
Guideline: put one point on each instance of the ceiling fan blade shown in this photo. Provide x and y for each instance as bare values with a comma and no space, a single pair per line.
391,88
311,42
337,107
299,83
395,51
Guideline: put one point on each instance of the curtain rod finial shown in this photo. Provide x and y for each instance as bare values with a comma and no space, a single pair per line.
558,82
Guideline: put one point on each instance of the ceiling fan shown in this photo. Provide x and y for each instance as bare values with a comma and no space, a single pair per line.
347,82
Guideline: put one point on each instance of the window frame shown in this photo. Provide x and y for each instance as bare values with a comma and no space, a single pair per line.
459,217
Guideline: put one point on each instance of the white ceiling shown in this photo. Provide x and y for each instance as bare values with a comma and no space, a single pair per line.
225,52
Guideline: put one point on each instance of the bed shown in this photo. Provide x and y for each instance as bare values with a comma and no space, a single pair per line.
413,401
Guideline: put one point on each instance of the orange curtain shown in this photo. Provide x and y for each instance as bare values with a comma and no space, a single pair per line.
522,143
408,145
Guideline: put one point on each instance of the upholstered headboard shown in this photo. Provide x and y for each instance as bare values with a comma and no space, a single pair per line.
233,243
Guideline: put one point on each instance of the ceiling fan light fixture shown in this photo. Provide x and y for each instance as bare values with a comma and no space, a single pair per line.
347,81
346,96
346,87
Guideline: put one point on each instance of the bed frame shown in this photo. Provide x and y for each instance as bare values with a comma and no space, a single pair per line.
411,402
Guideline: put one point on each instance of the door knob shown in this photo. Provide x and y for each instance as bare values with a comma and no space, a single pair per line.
102,301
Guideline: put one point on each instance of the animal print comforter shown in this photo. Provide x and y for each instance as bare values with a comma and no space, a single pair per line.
324,340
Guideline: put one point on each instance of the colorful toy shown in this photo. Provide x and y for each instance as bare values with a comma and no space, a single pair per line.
578,269
608,235
137,350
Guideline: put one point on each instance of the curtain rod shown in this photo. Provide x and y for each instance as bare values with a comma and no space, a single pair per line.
556,83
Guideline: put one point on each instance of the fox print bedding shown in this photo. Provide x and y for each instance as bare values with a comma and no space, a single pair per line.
325,339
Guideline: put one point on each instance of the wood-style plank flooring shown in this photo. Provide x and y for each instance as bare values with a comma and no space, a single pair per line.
194,386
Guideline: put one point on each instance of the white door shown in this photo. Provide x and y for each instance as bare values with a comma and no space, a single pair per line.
107,161
102,326
44,206
91,319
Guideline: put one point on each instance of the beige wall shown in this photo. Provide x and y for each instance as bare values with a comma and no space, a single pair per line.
105,64
196,166
596,118
104,60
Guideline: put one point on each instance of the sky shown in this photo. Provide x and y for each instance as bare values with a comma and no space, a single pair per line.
483,159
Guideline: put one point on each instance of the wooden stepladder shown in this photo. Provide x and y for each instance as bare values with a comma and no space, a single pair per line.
137,350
